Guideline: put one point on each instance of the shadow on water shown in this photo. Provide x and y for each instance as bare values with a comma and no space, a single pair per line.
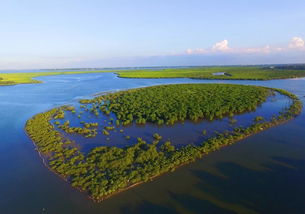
148,208
256,191
197,205
190,204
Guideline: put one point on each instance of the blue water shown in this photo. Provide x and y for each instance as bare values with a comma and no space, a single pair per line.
262,174
179,134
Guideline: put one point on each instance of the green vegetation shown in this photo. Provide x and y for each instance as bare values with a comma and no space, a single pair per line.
60,114
24,78
105,170
258,118
86,131
89,125
232,121
105,132
237,72
242,73
157,137
109,128
172,103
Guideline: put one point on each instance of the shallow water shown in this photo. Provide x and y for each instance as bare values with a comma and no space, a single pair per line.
261,174
179,134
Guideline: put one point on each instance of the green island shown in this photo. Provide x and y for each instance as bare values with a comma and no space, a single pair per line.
224,72
107,170
171,103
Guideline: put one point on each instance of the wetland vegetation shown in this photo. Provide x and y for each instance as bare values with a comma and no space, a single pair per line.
172,103
229,72
106,170
26,78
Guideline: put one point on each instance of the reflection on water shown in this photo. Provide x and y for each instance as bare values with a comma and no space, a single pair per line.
264,173
234,188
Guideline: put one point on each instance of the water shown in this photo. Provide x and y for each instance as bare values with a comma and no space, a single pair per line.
179,134
264,173
221,74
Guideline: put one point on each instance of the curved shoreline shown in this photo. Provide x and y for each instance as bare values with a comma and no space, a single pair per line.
231,138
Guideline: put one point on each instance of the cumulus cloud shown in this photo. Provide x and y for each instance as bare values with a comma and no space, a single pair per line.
221,46
297,43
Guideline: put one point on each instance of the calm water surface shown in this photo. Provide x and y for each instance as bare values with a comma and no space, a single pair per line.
179,134
261,174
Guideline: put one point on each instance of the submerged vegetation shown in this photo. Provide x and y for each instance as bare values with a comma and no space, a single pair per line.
107,170
87,130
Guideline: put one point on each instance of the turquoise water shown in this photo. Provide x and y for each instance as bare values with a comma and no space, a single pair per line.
262,174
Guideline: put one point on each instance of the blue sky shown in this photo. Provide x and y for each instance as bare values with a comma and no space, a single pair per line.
97,33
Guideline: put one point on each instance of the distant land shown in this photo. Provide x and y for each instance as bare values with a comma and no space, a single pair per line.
234,72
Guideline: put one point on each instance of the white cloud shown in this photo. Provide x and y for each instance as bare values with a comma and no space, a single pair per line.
266,49
196,51
221,46
297,43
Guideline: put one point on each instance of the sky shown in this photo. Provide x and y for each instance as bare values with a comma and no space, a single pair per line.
37,34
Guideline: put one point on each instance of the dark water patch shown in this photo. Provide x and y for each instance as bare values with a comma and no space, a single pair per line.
262,191
197,205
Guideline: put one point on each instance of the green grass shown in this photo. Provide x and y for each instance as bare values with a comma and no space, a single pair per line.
241,73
